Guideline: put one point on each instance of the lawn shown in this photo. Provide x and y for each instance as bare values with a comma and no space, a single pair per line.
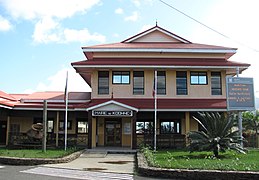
205,160
35,153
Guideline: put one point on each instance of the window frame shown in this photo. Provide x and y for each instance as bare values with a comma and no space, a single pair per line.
220,83
161,88
69,125
40,120
199,75
175,121
136,90
120,73
105,88
81,120
145,130
178,89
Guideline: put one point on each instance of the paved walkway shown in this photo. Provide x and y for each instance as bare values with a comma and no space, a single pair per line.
100,162
77,174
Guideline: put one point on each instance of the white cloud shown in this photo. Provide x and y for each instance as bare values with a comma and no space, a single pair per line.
44,31
119,11
136,3
48,30
56,82
5,25
48,15
82,36
133,17
37,9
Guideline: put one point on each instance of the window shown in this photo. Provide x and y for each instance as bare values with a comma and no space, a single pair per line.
50,123
82,126
181,83
121,77
138,82
216,88
15,129
103,82
62,125
144,127
199,78
167,127
161,82
50,126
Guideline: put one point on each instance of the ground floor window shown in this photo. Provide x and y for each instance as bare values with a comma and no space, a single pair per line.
82,126
62,125
50,124
15,129
170,127
144,127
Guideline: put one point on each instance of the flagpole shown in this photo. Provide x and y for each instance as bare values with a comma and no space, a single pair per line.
155,109
66,104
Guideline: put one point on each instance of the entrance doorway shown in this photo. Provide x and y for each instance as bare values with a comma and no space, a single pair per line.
3,128
113,132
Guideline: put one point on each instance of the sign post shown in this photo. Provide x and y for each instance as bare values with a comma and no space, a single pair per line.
240,97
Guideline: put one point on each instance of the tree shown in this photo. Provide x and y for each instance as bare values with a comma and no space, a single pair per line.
251,122
217,134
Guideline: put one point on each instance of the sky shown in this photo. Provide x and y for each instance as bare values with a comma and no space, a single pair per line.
39,39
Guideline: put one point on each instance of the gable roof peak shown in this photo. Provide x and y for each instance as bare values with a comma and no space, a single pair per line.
151,30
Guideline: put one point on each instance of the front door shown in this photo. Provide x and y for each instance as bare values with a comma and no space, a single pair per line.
3,127
112,132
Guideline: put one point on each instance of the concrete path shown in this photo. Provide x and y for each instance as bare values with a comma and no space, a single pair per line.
100,162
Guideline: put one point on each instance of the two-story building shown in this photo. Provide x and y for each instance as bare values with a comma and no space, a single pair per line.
119,112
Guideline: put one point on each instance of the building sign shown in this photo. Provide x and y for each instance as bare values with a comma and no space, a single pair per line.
112,113
240,93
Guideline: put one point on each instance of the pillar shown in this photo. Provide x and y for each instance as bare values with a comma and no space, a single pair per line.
7,131
90,129
57,128
134,135
187,125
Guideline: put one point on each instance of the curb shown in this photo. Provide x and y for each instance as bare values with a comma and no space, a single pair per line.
145,170
39,161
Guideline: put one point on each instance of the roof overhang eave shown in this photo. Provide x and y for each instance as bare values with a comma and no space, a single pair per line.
159,67
160,50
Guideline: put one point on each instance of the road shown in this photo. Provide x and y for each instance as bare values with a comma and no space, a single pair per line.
49,173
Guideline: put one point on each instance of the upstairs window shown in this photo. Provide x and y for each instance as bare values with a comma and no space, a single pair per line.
161,82
216,87
199,78
103,82
121,77
181,83
138,82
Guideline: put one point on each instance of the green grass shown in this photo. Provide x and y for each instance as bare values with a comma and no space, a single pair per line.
35,153
205,160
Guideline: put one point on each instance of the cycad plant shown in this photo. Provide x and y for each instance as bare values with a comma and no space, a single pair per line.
217,134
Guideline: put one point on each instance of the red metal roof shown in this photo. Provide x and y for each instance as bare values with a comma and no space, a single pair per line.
6,96
154,45
161,62
54,95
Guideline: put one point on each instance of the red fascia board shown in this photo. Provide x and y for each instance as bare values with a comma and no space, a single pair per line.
168,103
157,45
161,62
